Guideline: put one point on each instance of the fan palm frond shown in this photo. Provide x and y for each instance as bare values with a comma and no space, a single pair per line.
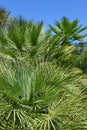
40,96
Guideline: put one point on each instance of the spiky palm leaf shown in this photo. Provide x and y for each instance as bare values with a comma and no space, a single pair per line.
40,96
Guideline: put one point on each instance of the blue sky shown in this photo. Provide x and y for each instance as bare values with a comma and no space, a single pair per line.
47,10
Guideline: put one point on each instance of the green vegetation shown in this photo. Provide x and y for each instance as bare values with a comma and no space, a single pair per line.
43,75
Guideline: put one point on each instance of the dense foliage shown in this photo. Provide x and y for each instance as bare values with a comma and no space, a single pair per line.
43,76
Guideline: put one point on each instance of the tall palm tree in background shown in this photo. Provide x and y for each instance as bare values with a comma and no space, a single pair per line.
3,16
66,35
40,89
68,32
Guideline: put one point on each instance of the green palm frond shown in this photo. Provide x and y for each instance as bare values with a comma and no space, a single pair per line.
40,96
69,30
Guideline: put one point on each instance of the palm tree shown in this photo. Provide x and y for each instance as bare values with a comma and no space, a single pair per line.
23,38
68,31
65,35
3,16
41,97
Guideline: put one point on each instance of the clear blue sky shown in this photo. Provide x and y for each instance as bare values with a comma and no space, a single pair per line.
47,10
